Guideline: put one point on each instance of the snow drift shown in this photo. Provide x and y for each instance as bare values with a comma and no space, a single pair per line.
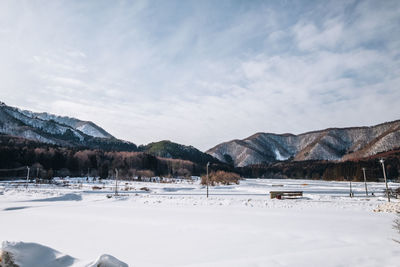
23,254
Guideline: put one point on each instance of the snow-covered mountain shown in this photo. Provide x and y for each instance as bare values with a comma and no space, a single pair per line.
328,144
58,130
86,127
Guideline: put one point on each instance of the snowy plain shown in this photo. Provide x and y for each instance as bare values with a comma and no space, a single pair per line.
174,224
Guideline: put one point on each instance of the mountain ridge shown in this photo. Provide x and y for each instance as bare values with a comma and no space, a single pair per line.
65,131
58,130
328,144
332,144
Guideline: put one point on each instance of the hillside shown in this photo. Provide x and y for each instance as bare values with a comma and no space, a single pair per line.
329,170
62,131
168,149
52,160
329,144
58,130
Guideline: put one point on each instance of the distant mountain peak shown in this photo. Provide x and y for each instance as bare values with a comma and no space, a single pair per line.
328,144
86,127
53,129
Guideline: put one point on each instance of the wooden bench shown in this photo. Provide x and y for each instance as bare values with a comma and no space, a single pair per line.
285,194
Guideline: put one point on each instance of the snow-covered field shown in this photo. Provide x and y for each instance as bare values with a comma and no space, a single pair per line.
174,224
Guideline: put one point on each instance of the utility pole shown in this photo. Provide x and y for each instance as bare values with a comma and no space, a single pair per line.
365,182
37,175
27,177
351,190
208,164
116,182
382,161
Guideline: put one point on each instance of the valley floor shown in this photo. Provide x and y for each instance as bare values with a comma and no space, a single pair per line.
176,225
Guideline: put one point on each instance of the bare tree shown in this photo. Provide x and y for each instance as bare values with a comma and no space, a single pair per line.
221,177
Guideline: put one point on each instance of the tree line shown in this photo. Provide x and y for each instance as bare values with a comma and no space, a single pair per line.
47,161
53,160
327,170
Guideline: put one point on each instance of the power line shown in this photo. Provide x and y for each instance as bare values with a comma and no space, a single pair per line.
15,169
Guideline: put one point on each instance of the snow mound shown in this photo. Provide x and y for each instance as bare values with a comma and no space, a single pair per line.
107,261
21,254
35,255
388,207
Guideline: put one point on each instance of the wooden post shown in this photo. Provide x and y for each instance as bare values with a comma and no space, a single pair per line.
208,164
382,161
365,182
37,175
116,182
27,177
351,190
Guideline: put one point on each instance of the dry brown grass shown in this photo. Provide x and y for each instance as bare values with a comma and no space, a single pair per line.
221,177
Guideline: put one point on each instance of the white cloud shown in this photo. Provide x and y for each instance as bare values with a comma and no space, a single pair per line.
203,73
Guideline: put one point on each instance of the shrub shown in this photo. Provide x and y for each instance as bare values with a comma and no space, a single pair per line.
221,177
6,259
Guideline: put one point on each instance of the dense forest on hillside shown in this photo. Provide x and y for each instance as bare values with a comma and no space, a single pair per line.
53,160
168,149
329,170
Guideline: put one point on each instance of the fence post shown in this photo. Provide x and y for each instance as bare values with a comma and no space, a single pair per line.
27,177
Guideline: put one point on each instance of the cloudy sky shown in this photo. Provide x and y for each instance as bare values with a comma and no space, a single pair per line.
203,72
